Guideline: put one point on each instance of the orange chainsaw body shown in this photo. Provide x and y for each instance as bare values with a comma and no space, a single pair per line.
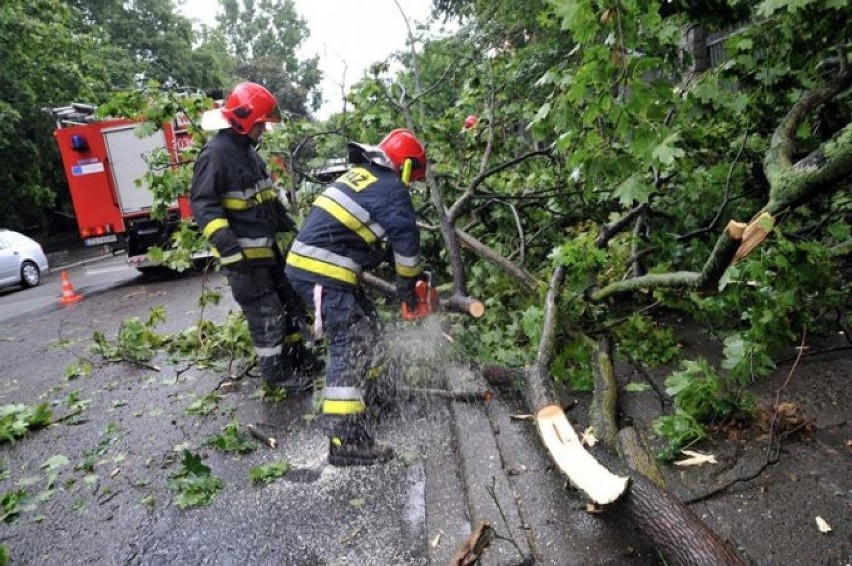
427,300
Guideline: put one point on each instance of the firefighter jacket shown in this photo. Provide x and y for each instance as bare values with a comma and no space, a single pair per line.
348,224
234,202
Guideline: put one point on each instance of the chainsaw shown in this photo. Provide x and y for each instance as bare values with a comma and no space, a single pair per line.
427,299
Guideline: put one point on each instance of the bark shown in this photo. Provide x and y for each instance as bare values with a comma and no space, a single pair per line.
602,413
483,251
676,531
633,449
792,184
706,280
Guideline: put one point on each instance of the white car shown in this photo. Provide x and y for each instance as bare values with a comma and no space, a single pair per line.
22,260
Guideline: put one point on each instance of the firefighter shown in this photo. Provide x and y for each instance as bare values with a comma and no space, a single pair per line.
343,235
240,212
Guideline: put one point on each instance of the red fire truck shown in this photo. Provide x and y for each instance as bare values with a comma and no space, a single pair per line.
105,163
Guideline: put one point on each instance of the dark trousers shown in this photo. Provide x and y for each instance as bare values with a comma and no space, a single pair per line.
274,315
352,331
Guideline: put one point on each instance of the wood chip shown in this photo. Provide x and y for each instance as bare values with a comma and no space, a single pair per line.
696,459
822,525
588,437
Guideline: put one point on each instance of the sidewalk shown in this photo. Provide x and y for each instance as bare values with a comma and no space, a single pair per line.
75,253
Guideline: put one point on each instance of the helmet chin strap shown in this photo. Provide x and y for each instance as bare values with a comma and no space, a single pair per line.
406,172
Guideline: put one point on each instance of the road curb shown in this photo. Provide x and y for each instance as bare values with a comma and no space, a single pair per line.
60,266
487,488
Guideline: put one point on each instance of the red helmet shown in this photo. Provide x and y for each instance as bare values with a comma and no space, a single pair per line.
249,104
400,145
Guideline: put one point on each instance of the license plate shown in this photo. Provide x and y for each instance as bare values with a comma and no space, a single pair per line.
100,240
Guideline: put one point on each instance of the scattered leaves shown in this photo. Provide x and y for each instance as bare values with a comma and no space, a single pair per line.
17,419
268,473
193,483
232,440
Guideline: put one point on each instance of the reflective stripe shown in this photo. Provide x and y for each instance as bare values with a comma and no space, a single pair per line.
346,218
406,271
323,262
243,200
407,260
229,259
318,330
322,268
407,266
342,393
343,407
257,248
267,352
255,242
293,337
213,226
258,253
236,204
355,210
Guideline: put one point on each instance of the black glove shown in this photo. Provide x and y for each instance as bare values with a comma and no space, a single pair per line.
405,291
286,223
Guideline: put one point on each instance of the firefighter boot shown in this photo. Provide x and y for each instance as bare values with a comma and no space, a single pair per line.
303,361
282,376
357,448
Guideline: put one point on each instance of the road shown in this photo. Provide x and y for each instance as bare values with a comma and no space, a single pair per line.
89,279
109,502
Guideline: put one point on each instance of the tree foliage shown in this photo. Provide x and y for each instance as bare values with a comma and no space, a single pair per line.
263,38
604,147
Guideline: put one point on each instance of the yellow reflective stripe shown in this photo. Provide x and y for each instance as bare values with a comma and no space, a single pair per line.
236,204
292,338
406,271
258,253
213,226
345,217
233,258
268,194
331,407
322,268
233,203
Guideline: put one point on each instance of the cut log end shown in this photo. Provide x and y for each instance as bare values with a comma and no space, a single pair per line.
581,468
477,309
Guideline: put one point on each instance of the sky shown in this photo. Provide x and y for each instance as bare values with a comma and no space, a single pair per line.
348,36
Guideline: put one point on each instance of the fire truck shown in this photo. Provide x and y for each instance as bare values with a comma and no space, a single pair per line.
105,163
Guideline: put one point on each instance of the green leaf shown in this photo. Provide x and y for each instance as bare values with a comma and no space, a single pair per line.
667,152
54,463
636,386
633,189
268,473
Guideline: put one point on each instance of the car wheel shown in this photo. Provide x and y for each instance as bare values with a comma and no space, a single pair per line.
30,275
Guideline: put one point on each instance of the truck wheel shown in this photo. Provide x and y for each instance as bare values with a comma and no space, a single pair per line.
30,275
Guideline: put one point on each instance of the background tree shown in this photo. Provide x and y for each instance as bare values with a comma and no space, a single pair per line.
264,37
45,62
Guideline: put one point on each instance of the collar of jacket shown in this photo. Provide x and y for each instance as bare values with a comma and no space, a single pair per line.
239,139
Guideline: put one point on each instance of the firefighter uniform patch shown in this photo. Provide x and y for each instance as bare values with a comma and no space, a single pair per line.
357,179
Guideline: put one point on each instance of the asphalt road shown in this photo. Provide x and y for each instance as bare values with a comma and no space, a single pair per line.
88,279
110,503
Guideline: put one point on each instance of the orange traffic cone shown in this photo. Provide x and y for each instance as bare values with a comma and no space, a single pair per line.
68,294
